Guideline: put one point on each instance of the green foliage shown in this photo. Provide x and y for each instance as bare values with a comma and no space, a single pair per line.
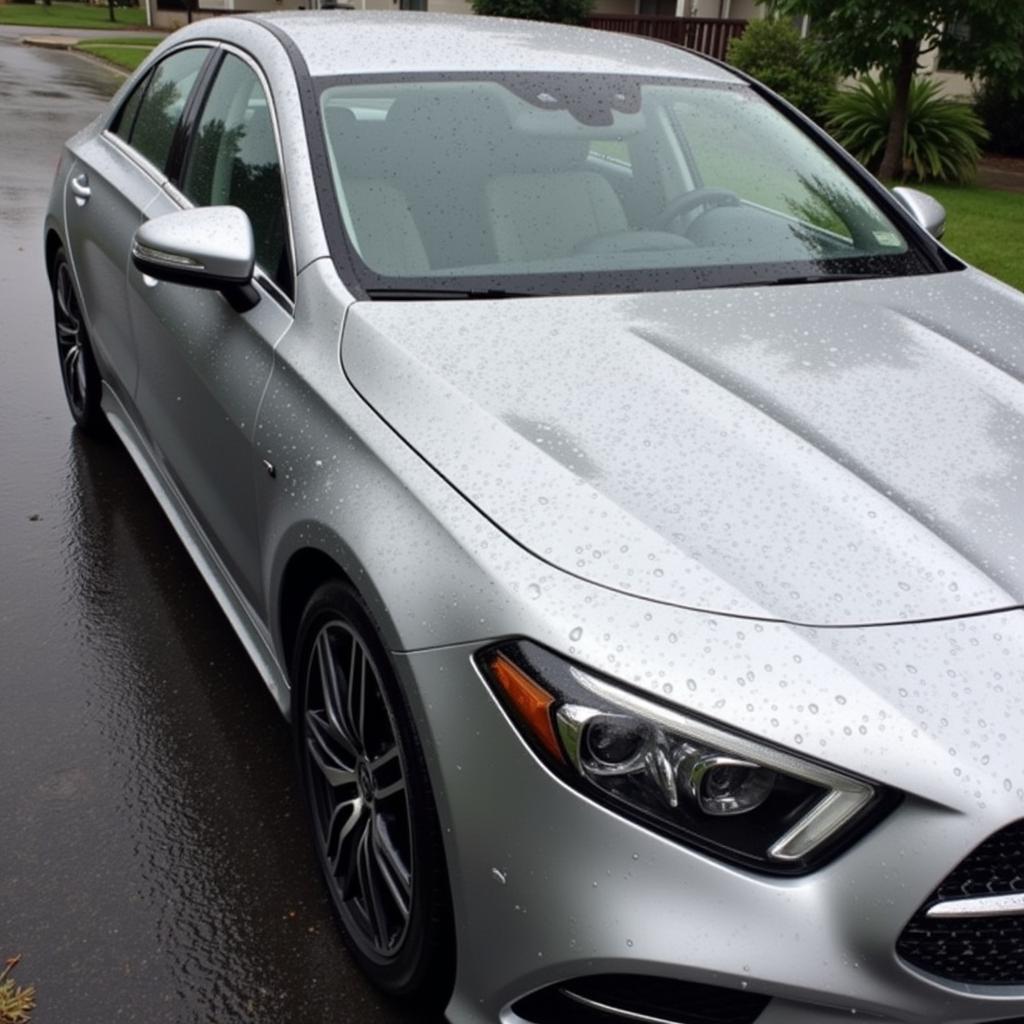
70,15
984,37
941,141
571,12
984,227
1001,107
773,52
127,57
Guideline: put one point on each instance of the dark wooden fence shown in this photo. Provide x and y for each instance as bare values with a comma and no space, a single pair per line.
706,35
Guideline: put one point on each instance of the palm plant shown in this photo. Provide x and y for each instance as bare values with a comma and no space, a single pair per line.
943,136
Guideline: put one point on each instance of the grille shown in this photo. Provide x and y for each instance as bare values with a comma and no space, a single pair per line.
982,951
612,998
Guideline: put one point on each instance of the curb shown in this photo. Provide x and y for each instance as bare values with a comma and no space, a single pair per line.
68,43
51,42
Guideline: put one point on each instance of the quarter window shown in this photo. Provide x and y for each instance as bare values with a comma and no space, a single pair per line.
234,161
125,120
166,94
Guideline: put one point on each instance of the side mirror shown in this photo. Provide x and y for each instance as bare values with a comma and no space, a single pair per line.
928,212
208,247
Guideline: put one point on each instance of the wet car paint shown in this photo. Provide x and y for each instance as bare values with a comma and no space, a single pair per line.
155,858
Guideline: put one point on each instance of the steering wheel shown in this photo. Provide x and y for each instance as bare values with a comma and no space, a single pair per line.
709,197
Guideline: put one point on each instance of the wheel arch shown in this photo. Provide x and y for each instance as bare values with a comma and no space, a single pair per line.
311,555
53,243
306,570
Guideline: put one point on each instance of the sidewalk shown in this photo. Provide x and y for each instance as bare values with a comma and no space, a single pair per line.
121,53
71,35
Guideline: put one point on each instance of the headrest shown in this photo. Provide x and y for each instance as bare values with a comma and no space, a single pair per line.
539,154
362,149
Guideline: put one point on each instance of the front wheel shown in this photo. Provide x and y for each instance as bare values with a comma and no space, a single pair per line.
78,371
374,820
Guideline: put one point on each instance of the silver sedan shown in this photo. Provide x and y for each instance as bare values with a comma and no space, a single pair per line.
619,490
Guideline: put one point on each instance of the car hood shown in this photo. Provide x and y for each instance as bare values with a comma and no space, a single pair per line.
823,454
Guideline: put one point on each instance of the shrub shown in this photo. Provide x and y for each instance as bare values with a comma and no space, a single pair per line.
1003,115
571,12
774,53
942,139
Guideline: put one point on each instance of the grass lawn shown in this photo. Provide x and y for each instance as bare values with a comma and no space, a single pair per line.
128,56
984,227
64,15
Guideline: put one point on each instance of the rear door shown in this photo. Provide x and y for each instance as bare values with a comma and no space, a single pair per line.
204,366
115,176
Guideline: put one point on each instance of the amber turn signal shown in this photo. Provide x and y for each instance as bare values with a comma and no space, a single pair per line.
529,702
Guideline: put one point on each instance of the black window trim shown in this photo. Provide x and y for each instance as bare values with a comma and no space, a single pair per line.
182,141
141,87
358,278
158,174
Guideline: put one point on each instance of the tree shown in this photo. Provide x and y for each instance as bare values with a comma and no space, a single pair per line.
572,12
773,53
979,37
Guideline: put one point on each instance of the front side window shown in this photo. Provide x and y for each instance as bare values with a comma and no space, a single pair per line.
555,183
234,161
167,92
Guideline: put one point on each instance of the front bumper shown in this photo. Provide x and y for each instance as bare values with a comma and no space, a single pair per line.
550,887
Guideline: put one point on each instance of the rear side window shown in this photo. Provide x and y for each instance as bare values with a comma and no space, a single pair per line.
159,111
125,120
234,161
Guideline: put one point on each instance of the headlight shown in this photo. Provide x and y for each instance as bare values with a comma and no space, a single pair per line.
678,774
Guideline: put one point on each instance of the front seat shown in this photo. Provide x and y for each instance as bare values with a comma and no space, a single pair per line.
385,231
551,204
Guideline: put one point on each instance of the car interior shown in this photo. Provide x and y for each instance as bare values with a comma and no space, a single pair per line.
439,177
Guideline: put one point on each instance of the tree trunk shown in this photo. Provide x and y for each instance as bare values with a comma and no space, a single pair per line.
110,9
892,160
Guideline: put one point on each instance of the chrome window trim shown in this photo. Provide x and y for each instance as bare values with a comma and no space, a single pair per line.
261,277
158,177
126,149
1007,905
146,67
272,106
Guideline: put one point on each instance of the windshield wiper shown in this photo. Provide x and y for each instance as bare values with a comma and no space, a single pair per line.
822,278
413,294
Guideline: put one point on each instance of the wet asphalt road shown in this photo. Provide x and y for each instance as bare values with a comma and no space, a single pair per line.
154,863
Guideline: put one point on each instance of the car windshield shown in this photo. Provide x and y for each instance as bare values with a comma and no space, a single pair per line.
561,183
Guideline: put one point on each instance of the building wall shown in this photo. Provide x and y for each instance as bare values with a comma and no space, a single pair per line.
747,10
175,19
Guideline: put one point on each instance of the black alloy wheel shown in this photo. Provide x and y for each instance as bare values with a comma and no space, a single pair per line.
78,371
373,815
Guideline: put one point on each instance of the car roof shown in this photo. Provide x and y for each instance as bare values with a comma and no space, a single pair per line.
341,42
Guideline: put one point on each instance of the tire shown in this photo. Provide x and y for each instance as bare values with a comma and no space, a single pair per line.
79,373
374,821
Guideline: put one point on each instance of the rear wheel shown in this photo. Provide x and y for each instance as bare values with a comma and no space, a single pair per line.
78,371
374,820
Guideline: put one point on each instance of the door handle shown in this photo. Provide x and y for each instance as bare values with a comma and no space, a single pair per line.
80,189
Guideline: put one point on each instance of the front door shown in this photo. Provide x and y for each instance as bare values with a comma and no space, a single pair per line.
115,177
204,366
